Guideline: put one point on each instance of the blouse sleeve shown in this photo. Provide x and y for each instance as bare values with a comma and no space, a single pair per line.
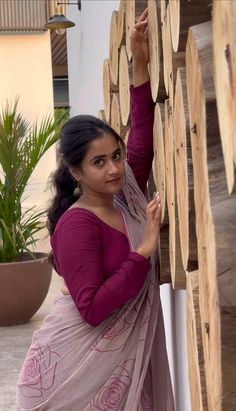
77,248
140,142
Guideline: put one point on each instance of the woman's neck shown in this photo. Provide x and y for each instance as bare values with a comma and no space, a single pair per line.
96,201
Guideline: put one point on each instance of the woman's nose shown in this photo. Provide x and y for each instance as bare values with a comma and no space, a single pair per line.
112,168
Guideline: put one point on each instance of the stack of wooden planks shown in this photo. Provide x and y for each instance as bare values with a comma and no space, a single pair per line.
192,50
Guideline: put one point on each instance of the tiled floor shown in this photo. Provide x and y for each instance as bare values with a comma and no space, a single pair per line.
14,343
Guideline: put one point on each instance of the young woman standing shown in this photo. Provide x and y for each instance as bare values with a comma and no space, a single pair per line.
102,347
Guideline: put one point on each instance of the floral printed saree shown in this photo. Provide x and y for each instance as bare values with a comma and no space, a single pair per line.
121,365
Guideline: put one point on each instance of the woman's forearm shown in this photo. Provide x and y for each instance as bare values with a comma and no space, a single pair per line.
140,142
140,73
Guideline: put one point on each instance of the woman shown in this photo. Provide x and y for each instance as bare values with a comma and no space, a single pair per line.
102,347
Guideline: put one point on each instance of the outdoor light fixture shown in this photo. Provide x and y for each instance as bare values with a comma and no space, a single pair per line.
59,22
78,2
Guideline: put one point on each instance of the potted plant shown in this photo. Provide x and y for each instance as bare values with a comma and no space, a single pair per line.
25,275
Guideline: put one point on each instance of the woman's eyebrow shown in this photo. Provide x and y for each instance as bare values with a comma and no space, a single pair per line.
105,155
100,156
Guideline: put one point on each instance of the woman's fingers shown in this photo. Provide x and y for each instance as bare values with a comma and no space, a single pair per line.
139,28
151,210
154,210
152,206
143,15
156,198
157,214
141,24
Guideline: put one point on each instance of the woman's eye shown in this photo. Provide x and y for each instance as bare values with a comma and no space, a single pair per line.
99,162
117,156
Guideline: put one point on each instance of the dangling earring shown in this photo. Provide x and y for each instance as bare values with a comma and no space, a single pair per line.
78,190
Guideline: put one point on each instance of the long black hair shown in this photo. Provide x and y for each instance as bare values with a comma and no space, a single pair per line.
75,138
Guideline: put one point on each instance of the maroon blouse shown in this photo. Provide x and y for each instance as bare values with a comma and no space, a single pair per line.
98,266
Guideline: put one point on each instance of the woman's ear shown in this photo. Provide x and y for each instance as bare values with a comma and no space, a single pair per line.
75,172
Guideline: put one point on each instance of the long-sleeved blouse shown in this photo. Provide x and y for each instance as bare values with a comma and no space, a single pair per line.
101,271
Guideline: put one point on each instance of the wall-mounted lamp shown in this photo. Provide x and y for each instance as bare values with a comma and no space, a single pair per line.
59,22
78,2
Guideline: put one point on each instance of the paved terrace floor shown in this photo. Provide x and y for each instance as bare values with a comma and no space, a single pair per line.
14,343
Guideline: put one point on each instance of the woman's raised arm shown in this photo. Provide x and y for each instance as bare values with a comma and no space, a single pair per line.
140,142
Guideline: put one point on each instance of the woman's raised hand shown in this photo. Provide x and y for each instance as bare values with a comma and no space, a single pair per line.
139,50
139,39
151,236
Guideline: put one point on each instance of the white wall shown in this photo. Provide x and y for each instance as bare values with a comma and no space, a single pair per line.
88,46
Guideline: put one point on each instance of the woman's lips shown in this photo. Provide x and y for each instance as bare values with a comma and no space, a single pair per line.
115,180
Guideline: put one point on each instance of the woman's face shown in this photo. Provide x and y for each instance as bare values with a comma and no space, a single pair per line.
102,169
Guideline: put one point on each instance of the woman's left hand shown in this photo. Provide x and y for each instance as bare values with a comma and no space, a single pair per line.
139,39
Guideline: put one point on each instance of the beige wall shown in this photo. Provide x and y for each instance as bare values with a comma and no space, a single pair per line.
25,71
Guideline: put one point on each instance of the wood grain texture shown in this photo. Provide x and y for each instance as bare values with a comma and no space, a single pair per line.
171,60
115,122
158,166
215,225
224,41
186,13
196,365
178,274
108,88
155,52
125,78
134,9
184,173
121,38
113,55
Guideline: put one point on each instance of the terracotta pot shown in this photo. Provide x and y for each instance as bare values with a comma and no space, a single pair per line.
23,288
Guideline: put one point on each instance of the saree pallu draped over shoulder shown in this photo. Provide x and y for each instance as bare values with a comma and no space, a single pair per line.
121,365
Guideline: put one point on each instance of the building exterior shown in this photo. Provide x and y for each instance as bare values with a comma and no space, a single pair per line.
33,68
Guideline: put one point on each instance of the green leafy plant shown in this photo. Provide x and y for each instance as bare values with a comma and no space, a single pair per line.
21,147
